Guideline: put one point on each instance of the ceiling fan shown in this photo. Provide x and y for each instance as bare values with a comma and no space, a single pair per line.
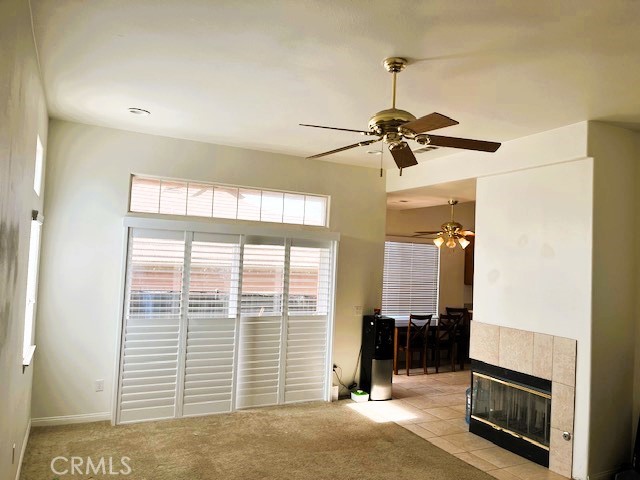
450,232
394,126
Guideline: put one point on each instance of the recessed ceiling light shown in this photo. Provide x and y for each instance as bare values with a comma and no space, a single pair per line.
374,152
139,111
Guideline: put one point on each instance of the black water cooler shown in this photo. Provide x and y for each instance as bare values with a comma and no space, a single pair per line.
376,371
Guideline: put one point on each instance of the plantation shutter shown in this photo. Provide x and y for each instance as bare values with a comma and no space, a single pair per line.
307,321
263,272
211,323
410,280
153,305
215,322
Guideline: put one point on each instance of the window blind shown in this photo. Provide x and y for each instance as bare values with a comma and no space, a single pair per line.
410,280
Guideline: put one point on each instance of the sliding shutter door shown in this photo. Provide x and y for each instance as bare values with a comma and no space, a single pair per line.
151,325
263,274
307,321
211,324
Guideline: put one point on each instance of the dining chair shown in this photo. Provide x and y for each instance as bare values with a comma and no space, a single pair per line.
447,338
464,332
415,339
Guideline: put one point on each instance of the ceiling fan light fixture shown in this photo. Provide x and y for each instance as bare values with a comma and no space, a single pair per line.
464,243
438,241
451,242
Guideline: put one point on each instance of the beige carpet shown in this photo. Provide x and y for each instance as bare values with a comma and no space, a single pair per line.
312,441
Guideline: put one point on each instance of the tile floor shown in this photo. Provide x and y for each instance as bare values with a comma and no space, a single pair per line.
435,404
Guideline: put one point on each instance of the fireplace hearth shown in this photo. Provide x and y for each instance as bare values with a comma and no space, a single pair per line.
512,410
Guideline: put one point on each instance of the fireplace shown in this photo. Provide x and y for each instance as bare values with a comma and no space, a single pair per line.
511,409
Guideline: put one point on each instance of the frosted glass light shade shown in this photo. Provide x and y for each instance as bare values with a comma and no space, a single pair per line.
464,243
438,241
451,243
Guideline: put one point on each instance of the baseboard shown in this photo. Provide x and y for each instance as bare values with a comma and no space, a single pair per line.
69,419
25,440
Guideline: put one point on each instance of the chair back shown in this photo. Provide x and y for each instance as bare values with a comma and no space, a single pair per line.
417,334
464,315
448,328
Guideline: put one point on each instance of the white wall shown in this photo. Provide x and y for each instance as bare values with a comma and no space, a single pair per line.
453,292
546,148
533,264
23,115
87,192
616,154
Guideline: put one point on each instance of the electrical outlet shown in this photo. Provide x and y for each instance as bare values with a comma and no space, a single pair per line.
357,310
99,385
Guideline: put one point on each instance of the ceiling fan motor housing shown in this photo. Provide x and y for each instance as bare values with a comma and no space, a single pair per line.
387,121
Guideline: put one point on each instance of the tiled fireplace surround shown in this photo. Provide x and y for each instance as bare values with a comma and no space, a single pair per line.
545,356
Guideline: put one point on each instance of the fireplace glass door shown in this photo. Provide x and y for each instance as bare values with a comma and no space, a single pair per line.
516,409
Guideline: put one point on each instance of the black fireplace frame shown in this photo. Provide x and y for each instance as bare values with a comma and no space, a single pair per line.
501,438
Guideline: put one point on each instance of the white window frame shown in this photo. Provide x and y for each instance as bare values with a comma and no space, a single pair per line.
262,191
39,167
31,294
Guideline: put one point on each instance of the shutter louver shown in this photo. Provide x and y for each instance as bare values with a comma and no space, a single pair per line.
307,323
260,324
217,322
151,331
410,280
213,285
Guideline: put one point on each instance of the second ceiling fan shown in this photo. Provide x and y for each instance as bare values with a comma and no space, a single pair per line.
394,126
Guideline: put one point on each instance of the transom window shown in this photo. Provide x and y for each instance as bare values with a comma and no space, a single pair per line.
181,197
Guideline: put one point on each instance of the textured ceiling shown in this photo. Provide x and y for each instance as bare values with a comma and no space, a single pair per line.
246,73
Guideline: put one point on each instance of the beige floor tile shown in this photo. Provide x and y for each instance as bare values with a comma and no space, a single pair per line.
445,445
499,457
450,399
445,413
418,430
459,422
502,474
477,462
441,427
448,389
468,441
400,392
423,402
428,390
437,405
533,471
416,416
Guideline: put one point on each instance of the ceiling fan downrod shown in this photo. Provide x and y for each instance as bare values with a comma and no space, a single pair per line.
394,65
